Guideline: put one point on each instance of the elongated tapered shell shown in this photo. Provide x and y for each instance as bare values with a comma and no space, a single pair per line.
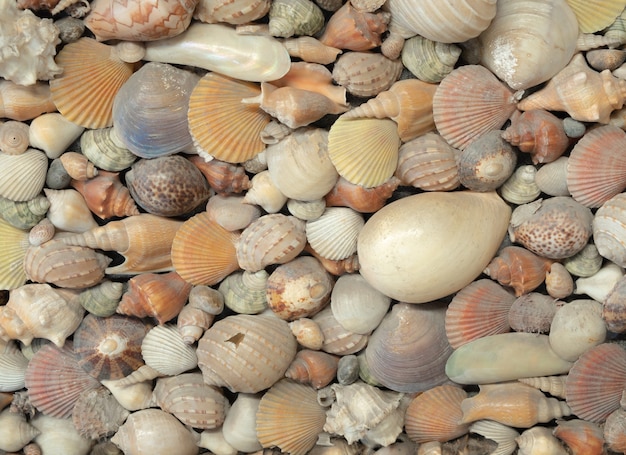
92,75
311,50
13,244
553,385
203,252
23,175
220,124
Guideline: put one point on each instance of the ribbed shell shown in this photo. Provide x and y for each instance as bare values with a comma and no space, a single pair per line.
103,298
366,74
23,175
608,229
596,15
12,367
97,414
231,12
289,417
14,137
220,124
334,234
299,17
246,353
244,292
338,340
428,60
164,350
14,245
92,75
105,149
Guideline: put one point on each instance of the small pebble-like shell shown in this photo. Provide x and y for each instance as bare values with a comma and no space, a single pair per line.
229,211
14,138
164,350
68,211
300,17
105,150
552,177
559,282
521,187
366,74
24,174
608,226
602,59
102,299
429,61
245,292
97,414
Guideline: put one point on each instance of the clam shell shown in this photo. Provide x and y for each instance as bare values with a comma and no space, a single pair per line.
97,414
596,15
503,435
164,350
92,76
289,417
24,175
192,257
366,73
105,150
13,366
338,340
220,124
334,234
608,230
231,213
13,244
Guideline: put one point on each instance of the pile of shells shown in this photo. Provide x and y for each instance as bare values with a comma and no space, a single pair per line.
325,227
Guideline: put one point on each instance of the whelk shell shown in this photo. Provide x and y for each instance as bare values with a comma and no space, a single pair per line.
102,299
198,314
223,177
354,29
295,17
244,292
68,211
106,195
537,439
78,166
316,368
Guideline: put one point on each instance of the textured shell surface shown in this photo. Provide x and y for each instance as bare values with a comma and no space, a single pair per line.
231,12
607,230
13,364
164,349
366,73
69,211
316,368
428,60
245,292
97,414
25,214
521,187
105,150
299,17
102,299
14,137
106,195
24,175
334,234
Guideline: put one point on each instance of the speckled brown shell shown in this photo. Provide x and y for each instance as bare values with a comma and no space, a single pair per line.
366,74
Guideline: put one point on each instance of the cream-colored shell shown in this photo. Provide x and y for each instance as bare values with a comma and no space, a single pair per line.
23,176
105,149
265,193
15,432
244,292
608,230
599,285
576,327
164,349
68,211
53,133
334,234
12,367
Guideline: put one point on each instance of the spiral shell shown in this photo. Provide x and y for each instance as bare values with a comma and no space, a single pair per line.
366,73
521,187
316,368
198,314
26,214
68,211
15,432
428,60
245,292
336,339
231,12
105,150
14,138
552,177
102,299
264,192
300,17
223,177
106,196
355,29
25,102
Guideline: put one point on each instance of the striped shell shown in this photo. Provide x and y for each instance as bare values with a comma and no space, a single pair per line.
23,175
366,73
13,366
164,350
14,245
338,340
595,15
105,150
334,234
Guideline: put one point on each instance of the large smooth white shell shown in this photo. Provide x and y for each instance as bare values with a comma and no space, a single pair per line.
219,48
429,245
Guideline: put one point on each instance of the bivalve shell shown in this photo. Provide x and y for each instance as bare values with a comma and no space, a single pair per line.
164,350
608,229
13,364
334,234
24,174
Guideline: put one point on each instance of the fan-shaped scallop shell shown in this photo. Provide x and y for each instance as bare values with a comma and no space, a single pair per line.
434,415
366,74
14,245
109,348
608,229
97,414
596,166
333,235
55,380
220,124
23,175
595,15
338,340
164,350
364,150
203,252
246,353
13,366
105,150
92,75
289,417
469,102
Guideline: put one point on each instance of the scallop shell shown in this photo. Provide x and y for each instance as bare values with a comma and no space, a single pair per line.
428,60
301,17
14,365
469,102
595,383
263,343
220,124
503,435
164,350
97,414
435,414
607,230
355,29
244,292
613,310
106,196
596,15
92,76
203,252
334,234
150,110
336,339
14,137
231,12
614,430
13,244
24,175
366,73
105,150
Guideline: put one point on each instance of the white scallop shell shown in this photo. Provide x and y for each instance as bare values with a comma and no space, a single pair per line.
12,367
23,176
164,350
334,234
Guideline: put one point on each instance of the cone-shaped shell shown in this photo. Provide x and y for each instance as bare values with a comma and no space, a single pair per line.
417,274
103,298
13,244
78,166
23,175
92,75
14,137
503,435
289,417
220,124
68,211
595,15
553,385
246,353
15,432
469,102
316,368
203,252
106,196
164,350
244,292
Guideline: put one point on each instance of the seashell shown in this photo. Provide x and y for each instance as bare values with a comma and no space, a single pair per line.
334,234
316,368
272,239
263,343
306,210
366,74
109,347
554,385
106,196
580,436
340,267
377,157
551,178
14,365
24,102
16,431
599,285
513,404
164,350
469,102
308,333
583,93
105,150
143,430
428,60
59,434
25,214
130,51
464,21
14,245
102,299
410,356
359,198
503,435
354,29
150,110
336,339
602,59
223,177
614,430
244,292
539,440
221,124
595,16
289,417
97,414
193,402
486,163
533,313
264,193
479,309
53,133
14,137
299,165
198,314
559,282
92,75
594,385
68,211
521,187
55,380
78,166
70,28
236,12
134,396
126,20
518,268
577,327
219,48
239,429
229,211
540,226
144,240
203,252
606,230
356,305
434,415
407,102
311,50
66,266
486,216
24,175
503,357
613,308
288,18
